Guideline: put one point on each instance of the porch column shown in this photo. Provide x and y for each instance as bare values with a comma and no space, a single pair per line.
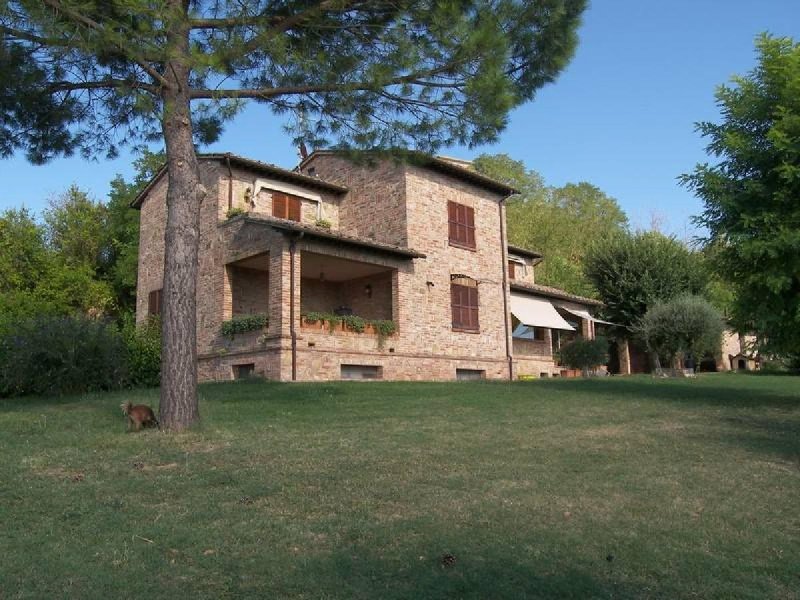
624,352
279,289
227,293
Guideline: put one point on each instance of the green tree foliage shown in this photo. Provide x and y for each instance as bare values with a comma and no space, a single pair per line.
634,271
685,326
88,75
561,223
585,354
35,280
75,226
752,194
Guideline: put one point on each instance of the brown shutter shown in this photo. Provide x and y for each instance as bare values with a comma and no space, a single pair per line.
472,303
511,270
154,303
461,224
293,212
464,306
469,226
280,203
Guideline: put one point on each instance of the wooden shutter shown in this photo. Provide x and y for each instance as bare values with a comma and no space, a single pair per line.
512,273
293,210
464,306
469,226
280,205
461,225
154,303
285,206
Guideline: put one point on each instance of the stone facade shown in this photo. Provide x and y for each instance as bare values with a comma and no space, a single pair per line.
386,256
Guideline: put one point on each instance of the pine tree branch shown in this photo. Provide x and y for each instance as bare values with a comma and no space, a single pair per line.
95,26
109,84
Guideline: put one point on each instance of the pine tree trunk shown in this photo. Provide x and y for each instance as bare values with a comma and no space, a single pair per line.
179,407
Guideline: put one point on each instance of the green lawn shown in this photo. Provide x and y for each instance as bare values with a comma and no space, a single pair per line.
357,490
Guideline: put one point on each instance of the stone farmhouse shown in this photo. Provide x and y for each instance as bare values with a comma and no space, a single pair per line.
386,269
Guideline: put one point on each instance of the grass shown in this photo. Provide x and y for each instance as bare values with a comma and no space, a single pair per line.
357,490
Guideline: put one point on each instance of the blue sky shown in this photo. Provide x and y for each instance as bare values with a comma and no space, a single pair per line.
621,116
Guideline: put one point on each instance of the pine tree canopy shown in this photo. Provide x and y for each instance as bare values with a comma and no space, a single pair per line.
90,75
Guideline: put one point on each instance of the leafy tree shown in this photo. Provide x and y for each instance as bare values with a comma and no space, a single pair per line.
23,253
752,194
89,74
561,223
684,326
634,271
75,227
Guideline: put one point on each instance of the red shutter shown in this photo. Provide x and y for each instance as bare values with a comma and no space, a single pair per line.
280,208
293,212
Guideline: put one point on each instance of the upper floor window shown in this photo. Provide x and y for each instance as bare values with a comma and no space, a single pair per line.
464,304
154,303
461,223
285,206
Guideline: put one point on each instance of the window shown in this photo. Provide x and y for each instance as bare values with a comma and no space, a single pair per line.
461,223
154,303
470,374
511,270
525,332
464,303
361,372
285,206
244,371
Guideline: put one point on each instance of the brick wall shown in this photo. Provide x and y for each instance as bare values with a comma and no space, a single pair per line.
250,291
375,205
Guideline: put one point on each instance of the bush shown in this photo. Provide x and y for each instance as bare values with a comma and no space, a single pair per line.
235,212
61,355
585,354
143,345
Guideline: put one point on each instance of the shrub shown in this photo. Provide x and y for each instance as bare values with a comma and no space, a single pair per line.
61,355
324,223
585,354
143,345
235,212
243,324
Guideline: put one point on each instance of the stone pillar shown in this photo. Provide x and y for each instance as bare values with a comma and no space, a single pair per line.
624,356
227,293
586,329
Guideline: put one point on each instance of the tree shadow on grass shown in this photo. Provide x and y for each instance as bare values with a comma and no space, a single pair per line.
771,435
359,573
691,391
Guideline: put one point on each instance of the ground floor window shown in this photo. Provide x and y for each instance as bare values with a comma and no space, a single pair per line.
361,372
470,374
243,371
